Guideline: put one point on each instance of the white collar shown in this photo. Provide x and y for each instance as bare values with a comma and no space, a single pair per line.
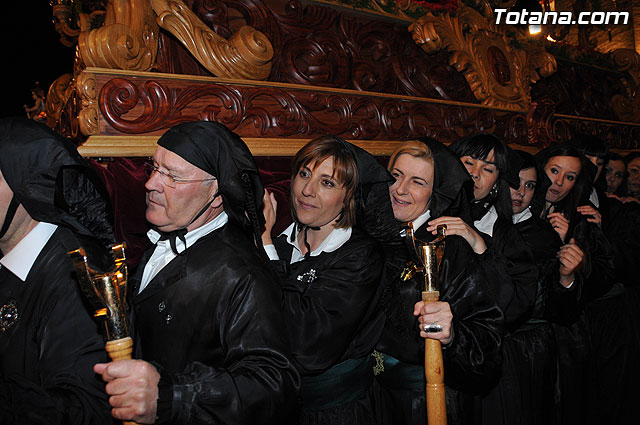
485,224
192,236
333,241
522,215
593,198
21,258
421,219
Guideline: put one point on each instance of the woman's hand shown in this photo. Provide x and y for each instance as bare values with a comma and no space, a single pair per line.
436,313
570,256
559,223
457,226
269,209
588,210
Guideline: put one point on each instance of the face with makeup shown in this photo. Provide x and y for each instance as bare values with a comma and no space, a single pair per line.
318,196
411,192
563,172
522,196
483,172
633,179
614,174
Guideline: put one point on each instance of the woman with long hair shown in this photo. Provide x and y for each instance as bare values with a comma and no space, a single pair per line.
565,190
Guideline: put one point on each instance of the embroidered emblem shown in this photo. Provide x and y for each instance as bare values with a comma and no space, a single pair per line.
161,306
378,367
8,315
307,277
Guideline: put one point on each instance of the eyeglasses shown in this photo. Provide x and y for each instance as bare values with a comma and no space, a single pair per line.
169,180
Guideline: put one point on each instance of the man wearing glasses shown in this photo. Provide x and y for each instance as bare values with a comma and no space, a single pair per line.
206,306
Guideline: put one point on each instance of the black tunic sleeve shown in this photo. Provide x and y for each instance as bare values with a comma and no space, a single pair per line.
598,267
329,300
554,302
510,267
472,359
47,357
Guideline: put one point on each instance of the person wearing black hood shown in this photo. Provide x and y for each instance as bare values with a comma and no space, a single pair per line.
331,262
431,182
206,305
566,184
529,373
492,166
51,202
611,317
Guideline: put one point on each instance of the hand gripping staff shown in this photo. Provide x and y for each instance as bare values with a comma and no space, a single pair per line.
106,292
427,257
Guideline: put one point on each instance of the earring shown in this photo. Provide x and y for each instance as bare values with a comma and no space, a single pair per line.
494,191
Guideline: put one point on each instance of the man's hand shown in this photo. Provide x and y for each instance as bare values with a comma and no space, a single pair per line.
133,389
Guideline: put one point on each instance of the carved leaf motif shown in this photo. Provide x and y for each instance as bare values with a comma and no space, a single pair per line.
498,74
127,40
247,54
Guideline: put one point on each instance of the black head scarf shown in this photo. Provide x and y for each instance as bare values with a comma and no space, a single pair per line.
374,212
215,149
449,179
53,182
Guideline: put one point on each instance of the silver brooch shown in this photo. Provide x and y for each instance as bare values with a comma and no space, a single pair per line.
308,277
8,315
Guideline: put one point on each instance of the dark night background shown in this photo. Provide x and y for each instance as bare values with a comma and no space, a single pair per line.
31,52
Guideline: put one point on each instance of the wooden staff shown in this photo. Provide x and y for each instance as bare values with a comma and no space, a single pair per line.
433,365
106,293
429,255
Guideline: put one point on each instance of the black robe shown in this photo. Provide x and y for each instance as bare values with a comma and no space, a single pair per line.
525,393
331,304
211,321
472,359
509,263
47,356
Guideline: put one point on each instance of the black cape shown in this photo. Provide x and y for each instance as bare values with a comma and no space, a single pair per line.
211,321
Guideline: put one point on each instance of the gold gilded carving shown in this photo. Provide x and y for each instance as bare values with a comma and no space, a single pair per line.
499,74
57,96
127,40
88,116
247,54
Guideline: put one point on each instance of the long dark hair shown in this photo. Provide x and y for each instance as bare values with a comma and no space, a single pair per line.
580,190
478,146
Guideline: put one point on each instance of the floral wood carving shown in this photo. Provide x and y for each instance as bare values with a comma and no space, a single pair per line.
138,106
58,93
88,115
499,74
247,54
127,40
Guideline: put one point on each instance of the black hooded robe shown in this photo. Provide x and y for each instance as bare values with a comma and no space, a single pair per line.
472,359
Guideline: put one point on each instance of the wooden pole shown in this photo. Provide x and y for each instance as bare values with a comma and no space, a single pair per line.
434,373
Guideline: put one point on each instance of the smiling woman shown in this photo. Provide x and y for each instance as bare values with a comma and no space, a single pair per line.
430,182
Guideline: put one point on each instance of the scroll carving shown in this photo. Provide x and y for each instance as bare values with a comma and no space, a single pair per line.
247,54
127,40
499,74
627,108
88,116
58,93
